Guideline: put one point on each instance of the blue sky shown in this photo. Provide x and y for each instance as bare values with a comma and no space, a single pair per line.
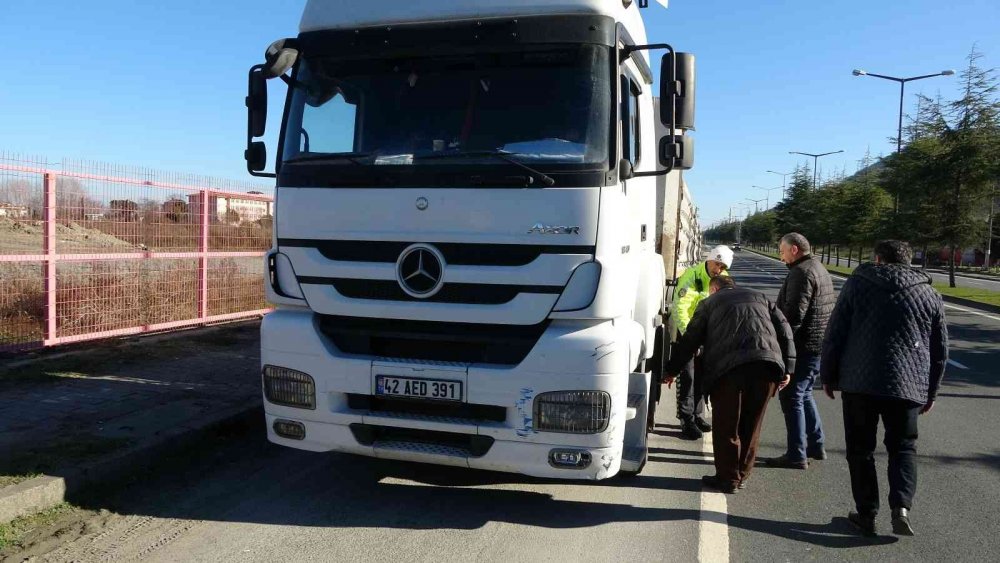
161,84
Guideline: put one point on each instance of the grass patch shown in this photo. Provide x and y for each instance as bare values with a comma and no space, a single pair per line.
14,532
972,294
8,480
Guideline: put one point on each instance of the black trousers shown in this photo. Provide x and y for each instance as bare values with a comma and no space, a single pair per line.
690,401
861,416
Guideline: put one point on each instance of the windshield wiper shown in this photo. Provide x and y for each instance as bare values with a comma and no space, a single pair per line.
500,154
348,156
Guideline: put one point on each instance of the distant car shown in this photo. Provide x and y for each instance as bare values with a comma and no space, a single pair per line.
737,247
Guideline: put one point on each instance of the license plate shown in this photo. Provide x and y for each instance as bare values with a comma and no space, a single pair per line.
438,389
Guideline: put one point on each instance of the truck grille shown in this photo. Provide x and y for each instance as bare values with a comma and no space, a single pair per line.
427,340
466,254
388,290
447,443
463,411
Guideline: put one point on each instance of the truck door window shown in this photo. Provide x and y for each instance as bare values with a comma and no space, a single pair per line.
630,120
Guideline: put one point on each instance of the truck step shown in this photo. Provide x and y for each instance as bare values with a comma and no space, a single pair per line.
633,460
633,454
420,448
634,402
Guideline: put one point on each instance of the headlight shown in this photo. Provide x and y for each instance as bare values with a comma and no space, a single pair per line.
283,386
572,412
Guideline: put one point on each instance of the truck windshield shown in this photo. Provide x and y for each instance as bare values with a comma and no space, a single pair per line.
545,106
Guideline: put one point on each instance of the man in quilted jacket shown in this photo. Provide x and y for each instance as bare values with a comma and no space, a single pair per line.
806,298
885,349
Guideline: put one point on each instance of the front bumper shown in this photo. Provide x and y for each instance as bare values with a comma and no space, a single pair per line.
571,355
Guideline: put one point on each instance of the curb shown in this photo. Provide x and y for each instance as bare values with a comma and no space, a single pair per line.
46,491
985,307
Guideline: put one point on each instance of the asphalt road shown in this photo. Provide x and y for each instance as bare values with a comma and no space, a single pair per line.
801,515
239,498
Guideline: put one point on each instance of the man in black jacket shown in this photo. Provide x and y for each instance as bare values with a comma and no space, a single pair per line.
749,352
885,349
806,298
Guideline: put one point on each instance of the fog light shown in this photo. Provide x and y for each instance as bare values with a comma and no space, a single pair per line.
574,459
283,386
572,412
290,429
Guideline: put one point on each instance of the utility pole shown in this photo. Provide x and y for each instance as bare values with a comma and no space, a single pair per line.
989,231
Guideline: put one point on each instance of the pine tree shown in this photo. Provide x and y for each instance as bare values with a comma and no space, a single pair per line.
970,155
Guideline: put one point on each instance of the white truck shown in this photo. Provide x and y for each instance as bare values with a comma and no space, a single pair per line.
468,264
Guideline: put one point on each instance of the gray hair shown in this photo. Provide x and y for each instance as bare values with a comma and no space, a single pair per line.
795,239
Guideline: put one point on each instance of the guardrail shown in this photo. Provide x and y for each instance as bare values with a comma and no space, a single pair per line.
92,251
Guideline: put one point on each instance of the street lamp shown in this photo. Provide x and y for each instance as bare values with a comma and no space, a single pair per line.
767,201
755,202
902,86
782,174
815,158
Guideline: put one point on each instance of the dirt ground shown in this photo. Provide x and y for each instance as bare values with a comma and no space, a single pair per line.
26,237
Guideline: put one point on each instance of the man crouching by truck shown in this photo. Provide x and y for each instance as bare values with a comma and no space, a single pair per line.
692,287
749,355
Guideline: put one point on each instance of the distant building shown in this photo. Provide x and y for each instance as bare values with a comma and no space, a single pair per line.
13,211
123,210
232,210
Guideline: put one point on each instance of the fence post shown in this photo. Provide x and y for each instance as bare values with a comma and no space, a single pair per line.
49,266
203,220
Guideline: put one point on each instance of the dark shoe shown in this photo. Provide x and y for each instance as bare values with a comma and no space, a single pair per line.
901,522
689,431
818,455
783,462
863,522
702,425
713,482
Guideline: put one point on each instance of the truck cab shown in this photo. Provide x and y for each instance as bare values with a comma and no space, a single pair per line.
467,265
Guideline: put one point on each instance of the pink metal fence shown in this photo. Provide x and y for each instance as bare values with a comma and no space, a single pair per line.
93,251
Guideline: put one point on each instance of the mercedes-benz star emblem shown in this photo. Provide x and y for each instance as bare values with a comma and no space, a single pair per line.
420,271
422,203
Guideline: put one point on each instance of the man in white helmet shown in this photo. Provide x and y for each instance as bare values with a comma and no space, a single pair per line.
692,287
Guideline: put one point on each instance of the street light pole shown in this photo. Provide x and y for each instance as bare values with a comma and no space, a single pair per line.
815,158
756,208
767,202
902,87
782,174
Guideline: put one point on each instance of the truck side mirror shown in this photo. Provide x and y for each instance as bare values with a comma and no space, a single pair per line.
677,152
677,96
256,156
256,103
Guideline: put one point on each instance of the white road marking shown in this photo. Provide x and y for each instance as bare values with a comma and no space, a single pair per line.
956,364
966,310
713,525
